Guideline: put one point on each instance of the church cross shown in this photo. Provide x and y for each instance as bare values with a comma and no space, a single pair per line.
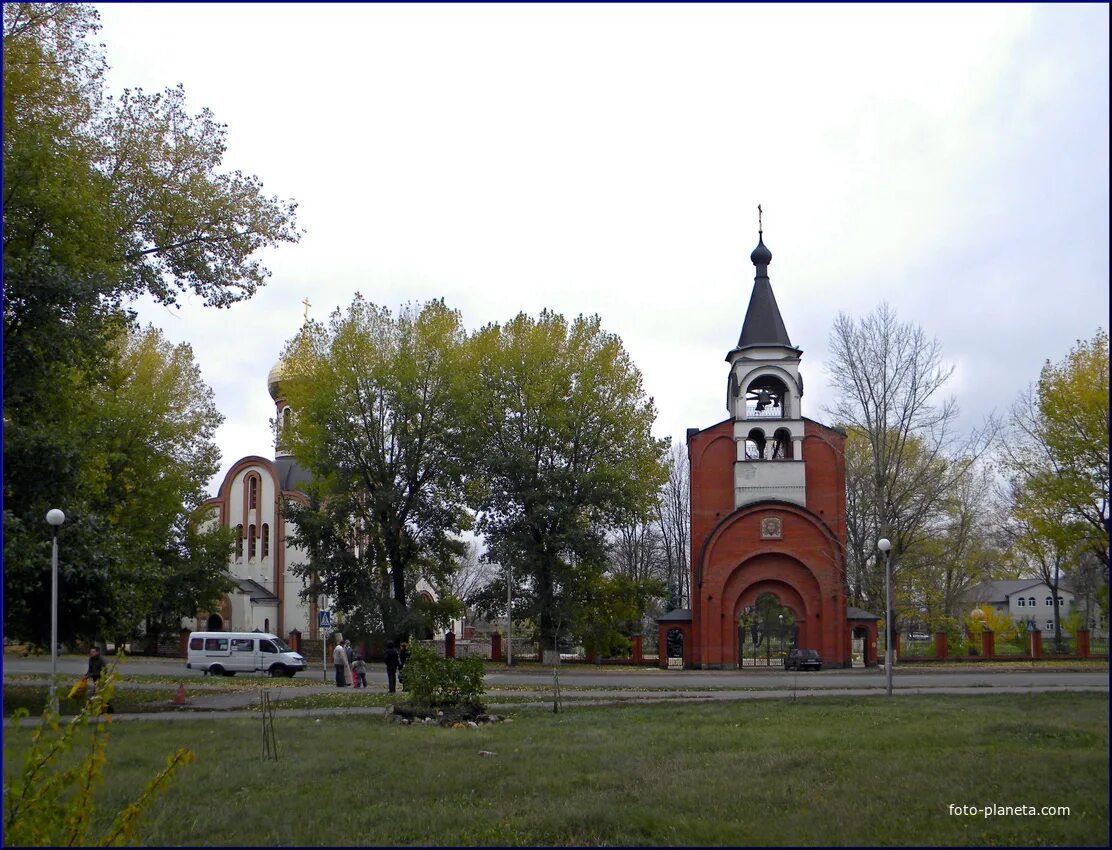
305,301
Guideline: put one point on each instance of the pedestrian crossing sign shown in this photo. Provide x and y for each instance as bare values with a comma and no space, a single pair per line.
324,619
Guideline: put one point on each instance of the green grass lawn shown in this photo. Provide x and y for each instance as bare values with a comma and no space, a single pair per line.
817,771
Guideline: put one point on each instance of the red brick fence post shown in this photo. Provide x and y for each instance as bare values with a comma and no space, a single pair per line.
1083,646
988,643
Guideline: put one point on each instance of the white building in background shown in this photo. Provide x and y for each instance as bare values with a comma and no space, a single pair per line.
267,596
1030,600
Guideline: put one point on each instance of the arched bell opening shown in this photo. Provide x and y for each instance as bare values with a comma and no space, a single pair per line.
766,397
755,444
782,444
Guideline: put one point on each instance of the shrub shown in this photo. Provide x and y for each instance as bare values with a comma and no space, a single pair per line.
435,681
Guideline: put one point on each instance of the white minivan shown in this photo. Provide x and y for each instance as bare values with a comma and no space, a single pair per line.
228,653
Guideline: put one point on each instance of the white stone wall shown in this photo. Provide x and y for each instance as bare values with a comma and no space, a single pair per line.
769,479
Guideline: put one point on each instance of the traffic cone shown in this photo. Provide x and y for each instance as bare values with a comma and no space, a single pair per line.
179,697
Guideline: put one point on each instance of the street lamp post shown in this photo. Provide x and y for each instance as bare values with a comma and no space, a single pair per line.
55,518
509,616
885,546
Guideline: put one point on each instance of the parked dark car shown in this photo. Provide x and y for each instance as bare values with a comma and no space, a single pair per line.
803,659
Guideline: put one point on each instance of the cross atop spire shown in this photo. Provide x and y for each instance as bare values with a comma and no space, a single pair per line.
305,301
760,225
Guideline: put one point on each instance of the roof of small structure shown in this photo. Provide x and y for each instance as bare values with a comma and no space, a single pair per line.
255,591
678,615
859,614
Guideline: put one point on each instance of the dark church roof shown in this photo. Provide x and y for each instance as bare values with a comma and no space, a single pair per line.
292,475
763,325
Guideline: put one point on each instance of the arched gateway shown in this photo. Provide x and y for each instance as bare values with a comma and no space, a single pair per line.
767,503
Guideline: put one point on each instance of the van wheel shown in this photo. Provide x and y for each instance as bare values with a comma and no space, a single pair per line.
216,670
277,670
289,673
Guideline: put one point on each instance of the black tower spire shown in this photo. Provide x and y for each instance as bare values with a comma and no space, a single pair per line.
763,325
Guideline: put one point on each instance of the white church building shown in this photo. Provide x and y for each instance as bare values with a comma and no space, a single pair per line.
267,596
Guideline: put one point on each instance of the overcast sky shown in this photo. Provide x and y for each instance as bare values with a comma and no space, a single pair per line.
949,159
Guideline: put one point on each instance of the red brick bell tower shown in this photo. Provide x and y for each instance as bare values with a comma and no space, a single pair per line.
767,502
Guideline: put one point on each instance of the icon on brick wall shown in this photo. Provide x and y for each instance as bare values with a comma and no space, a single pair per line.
772,528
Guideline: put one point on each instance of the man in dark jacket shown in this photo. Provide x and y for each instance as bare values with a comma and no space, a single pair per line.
92,675
392,659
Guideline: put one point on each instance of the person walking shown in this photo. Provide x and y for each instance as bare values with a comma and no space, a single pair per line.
349,657
359,673
339,660
392,663
403,657
92,674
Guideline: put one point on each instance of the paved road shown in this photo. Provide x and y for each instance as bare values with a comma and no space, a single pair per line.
595,685
672,680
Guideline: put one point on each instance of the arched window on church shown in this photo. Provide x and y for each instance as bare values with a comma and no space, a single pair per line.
266,539
252,491
239,542
287,418
251,540
755,445
782,444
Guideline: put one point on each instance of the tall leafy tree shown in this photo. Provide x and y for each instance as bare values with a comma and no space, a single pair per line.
376,396
1057,447
1056,454
126,194
148,437
1047,556
105,199
560,445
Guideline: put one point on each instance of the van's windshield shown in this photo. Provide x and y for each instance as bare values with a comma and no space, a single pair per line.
281,644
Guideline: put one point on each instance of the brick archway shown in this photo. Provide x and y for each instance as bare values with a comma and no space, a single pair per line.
793,585
799,561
